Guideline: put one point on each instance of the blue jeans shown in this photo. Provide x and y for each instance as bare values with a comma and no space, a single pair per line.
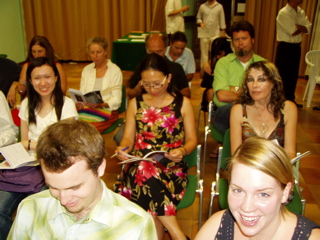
222,118
9,202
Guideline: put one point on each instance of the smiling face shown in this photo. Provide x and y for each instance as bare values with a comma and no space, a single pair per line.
155,78
77,188
242,43
259,85
38,51
97,53
254,200
43,80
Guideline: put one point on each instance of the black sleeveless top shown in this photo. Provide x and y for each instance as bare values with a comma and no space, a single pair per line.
302,231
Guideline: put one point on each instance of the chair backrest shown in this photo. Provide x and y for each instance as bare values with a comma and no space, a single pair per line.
226,152
193,158
312,59
123,105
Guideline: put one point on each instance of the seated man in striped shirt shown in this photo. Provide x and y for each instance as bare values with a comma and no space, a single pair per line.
78,205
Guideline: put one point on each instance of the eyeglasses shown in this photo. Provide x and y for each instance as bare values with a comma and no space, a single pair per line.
155,86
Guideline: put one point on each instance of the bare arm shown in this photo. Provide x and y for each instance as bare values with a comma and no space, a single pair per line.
137,90
181,10
235,127
290,128
63,78
210,228
11,96
22,87
25,137
177,154
129,131
228,96
190,76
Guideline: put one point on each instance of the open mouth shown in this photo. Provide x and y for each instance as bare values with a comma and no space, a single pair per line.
250,220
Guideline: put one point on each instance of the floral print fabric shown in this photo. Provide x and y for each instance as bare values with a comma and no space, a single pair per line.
156,187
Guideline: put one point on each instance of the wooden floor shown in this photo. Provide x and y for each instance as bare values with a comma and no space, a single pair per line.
308,132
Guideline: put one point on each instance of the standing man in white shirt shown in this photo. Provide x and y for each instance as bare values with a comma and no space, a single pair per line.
292,22
179,53
174,17
211,18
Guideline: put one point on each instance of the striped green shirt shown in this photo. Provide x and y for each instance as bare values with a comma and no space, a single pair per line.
40,216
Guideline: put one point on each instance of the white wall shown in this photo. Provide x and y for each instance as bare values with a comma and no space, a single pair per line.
12,30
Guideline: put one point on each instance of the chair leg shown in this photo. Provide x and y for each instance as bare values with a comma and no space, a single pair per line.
311,91
213,193
306,90
206,132
198,122
200,191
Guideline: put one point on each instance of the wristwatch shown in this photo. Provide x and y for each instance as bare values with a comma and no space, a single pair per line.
236,89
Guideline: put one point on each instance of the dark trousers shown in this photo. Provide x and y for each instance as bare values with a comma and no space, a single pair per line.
287,62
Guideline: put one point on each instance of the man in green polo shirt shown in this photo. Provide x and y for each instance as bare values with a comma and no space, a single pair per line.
229,71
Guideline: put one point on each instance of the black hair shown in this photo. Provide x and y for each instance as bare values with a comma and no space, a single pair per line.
218,45
34,99
242,26
158,63
178,37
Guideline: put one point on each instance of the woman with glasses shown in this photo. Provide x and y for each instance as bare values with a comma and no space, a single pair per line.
160,119
105,76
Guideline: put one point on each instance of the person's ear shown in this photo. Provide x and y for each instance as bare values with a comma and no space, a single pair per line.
102,168
169,77
286,192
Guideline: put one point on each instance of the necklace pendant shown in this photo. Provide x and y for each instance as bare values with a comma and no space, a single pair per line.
263,128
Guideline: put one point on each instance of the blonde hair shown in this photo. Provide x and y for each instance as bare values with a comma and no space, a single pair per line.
267,157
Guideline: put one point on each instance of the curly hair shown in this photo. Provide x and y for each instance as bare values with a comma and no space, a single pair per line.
277,98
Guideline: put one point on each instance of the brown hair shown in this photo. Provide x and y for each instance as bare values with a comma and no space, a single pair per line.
277,99
61,142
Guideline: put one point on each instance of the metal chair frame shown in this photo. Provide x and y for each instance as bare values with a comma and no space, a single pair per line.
185,202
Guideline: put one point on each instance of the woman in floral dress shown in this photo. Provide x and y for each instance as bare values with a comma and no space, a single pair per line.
160,119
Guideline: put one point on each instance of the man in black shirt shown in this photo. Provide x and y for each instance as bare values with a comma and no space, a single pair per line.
156,43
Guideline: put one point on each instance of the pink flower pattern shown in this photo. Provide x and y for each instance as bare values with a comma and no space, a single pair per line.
156,129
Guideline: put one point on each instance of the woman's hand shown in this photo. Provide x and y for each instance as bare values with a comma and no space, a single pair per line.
22,87
79,105
175,155
95,105
121,154
11,96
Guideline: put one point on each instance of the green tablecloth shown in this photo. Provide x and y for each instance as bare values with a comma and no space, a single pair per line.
128,51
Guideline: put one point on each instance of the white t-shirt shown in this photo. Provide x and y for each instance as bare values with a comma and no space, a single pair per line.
68,111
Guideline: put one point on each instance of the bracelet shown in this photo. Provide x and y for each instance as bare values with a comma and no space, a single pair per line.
29,144
185,151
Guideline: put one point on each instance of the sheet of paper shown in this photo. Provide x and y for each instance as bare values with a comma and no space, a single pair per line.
203,32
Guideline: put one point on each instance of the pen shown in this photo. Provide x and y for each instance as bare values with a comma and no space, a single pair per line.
118,153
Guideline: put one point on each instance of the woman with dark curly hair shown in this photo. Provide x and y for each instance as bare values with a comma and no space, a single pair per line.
262,109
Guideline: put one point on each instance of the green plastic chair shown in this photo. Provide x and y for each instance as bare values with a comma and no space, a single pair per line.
195,184
220,186
121,109
215,134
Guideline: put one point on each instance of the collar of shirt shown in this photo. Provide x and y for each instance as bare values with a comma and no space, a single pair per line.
100,213
208,5
179,59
